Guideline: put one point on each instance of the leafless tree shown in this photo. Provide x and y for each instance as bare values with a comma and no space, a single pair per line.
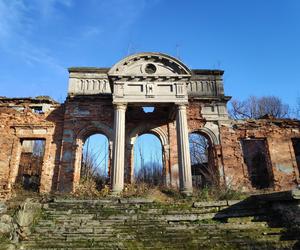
92,167
150,171
257,107
198,148
204,171
298,108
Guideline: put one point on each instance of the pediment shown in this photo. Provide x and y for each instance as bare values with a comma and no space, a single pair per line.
149,64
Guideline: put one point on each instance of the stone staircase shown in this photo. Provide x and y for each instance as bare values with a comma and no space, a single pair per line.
143,224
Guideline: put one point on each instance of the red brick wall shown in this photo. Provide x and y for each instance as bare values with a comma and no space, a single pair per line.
67,126
25,124
278,137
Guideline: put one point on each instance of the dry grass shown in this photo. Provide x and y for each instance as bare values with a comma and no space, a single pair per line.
87,188
147,191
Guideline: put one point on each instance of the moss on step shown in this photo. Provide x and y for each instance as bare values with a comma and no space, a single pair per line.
87,225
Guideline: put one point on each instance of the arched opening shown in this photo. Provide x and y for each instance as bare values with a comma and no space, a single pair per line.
95,159
148,160
204,171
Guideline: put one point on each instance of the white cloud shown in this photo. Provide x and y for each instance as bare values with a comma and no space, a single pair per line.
16,15
17,21
21,21
11,17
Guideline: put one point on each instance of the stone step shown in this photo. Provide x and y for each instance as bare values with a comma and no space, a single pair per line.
210,243
115,224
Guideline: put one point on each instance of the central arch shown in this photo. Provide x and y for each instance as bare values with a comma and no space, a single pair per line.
146,128
148,160
149,79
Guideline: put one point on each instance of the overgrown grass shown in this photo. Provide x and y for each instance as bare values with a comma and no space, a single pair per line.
88,189
218,193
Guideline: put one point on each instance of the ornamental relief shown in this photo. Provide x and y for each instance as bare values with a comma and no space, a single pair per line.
89,86
205,87
99,85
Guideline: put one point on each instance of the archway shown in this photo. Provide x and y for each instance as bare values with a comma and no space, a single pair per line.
204,171
94,164
148,160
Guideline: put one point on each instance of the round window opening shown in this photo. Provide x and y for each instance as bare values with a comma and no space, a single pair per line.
150,68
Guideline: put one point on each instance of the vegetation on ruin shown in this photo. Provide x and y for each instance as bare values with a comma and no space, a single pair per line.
161,194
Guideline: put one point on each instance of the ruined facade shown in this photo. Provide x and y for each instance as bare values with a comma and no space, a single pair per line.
247,155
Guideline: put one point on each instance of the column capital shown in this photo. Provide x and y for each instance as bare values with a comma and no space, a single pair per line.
122,106
181,106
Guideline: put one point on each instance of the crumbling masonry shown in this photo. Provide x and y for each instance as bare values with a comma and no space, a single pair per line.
246,155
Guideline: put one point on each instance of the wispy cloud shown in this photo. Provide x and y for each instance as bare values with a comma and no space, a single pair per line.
17,24
23,24
107,22
12,18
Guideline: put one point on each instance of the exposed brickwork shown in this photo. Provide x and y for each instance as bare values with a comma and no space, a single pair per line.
81,120
70,124
278,134
19,121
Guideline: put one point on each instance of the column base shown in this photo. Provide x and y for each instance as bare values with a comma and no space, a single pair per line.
187,192
115,193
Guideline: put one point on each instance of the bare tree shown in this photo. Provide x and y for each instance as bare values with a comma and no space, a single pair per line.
198,148
257,107
204,171
150,171
298,108
92,167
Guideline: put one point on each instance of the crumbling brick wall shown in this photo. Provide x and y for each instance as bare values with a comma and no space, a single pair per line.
18,121
65,128
83,117
278,135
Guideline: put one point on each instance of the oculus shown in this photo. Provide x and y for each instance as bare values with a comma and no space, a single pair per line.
150,68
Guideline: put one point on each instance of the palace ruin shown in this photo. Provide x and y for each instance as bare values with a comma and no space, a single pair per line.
248,154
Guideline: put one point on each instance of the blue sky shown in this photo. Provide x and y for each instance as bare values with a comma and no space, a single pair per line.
147,146
147,150
95,150
256,42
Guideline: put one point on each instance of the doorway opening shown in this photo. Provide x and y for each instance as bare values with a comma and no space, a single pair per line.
148,162
257,159
95,158
31,162
204,172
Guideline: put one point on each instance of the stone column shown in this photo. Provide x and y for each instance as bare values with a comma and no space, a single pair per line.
185,173
117,171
